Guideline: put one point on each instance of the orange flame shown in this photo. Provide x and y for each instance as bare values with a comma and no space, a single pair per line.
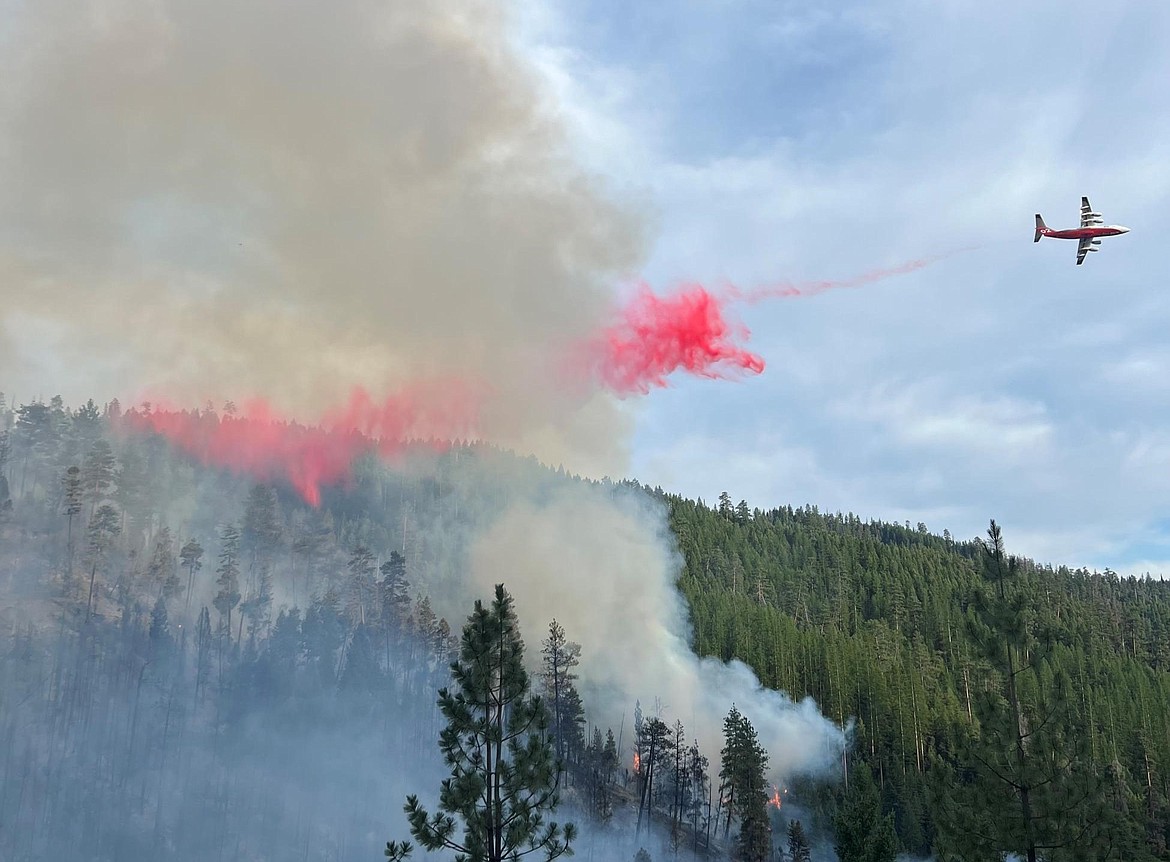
637,762
774,800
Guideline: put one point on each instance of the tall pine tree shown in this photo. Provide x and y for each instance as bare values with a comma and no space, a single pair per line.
560,656
503,774
745,763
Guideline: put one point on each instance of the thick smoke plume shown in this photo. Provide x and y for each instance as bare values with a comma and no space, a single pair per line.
292,199
633,622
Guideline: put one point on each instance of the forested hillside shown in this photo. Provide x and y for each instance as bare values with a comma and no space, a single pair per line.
875,621
197,665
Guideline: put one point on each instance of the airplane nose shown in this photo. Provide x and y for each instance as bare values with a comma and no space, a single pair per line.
1122,229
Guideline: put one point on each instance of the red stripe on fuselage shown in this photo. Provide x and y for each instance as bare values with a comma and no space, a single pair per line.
1082,232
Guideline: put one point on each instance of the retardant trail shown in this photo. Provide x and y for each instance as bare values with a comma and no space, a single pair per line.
264,445
654,336
789,290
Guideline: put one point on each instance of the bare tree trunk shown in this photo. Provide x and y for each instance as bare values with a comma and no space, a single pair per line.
89,601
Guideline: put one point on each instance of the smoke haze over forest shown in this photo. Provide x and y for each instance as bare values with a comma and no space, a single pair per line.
309,713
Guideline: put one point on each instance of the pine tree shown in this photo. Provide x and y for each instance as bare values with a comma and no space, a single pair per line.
259,539
863,835
71,505
699,783
503,775
228,579
87,424
132,493
360,674
191,555
601,761
560,656
97,473
159,633
743,771
104,525
754,842
654,741
34,437
745,764
162,570
360,587
679,774
798,848
394,594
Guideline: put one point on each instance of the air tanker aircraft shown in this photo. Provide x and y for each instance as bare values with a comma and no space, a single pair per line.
1089,233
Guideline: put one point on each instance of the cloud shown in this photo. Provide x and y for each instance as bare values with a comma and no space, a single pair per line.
919,415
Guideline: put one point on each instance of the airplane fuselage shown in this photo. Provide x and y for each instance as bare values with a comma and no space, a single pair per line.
1085,232
1088,234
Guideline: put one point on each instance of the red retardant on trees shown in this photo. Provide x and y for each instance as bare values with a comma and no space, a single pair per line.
265,445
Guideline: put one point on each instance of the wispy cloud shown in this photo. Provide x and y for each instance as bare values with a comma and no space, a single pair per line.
926,416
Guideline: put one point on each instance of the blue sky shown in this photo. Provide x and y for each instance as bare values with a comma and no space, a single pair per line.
771,141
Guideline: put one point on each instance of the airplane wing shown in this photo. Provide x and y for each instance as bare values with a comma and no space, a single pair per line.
1088,217
1082,249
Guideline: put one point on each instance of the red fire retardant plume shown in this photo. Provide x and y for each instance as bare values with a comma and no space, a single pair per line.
654,336
658,335
266,446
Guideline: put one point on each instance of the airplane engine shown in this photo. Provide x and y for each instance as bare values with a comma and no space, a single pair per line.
1092,215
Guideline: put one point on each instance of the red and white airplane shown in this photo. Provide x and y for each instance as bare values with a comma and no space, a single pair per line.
1089,233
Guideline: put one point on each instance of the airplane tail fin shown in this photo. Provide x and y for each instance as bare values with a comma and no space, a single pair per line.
1040,227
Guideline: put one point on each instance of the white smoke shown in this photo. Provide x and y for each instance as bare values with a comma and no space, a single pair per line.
602,562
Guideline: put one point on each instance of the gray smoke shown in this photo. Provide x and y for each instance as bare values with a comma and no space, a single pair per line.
214,199
602,562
